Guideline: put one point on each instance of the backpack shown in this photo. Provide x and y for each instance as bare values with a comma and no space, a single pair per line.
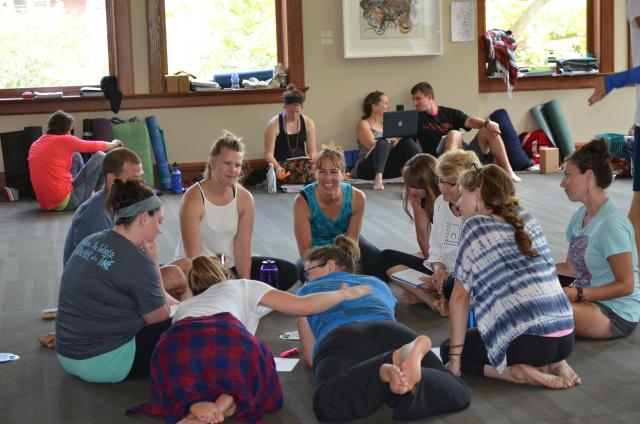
532,142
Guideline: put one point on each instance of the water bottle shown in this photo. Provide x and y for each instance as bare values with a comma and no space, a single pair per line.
271,180
471,323
269,273
235,81
176,179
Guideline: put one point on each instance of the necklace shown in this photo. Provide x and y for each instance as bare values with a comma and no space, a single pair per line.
294,148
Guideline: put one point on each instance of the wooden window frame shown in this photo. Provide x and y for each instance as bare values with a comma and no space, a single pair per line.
290,53
119,51
600,13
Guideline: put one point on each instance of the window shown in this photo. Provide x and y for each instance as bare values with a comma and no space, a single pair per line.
217,36
545,29
287,21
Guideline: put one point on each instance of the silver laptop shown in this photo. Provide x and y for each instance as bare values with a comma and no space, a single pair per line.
400,123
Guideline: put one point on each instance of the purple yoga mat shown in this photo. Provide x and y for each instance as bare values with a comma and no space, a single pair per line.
102,129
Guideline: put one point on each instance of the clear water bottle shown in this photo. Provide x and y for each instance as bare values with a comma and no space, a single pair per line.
176,179
235,81
271,180
269,273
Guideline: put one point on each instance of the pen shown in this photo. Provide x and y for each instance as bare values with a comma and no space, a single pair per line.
290,352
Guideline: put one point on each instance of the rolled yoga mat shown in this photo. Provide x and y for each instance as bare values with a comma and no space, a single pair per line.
160,152
101,129
562,136
538,115
15,153
135,136
515,153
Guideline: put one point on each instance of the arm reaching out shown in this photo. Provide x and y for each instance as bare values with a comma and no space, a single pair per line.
313,303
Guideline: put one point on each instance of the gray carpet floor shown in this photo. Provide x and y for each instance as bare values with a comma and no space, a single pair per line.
35,388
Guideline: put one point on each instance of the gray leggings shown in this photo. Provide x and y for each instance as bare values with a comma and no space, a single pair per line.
85,181
387,160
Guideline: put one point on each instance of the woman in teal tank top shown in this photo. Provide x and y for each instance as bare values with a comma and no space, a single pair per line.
330,207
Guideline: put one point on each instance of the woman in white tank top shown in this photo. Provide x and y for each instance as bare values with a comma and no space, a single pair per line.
216,215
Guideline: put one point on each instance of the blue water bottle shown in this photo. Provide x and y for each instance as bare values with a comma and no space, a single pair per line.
176,179
472,319
269,273
235,81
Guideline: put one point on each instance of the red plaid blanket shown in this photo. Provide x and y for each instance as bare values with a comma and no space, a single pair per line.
198,359
500,48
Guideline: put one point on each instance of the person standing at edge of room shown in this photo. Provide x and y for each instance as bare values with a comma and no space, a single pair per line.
379,157
216,216
291,134
439,130
51,158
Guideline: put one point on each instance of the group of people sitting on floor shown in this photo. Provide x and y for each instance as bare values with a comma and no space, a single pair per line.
480,250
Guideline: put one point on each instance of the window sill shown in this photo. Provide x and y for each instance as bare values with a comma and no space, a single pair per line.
19,106
496,85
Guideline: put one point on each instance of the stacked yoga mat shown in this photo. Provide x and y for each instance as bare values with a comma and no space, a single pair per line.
552,121
15,152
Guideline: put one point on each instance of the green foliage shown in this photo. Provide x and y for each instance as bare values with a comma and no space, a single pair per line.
48,47
214,36
558,28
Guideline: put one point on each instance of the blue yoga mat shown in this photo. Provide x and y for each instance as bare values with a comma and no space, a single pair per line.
517,157
159,152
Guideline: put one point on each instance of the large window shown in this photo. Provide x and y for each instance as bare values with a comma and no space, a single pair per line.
216,36
546,30
243,46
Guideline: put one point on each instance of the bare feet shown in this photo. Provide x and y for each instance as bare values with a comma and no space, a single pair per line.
515,178
190,419
48,340
565,372
378,182
442,305
393,375
213,412
409,359
526,374
407,297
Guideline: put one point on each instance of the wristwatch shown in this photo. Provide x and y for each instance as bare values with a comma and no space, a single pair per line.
486,122
580,294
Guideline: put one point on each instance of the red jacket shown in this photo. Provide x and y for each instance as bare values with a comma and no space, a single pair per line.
50,159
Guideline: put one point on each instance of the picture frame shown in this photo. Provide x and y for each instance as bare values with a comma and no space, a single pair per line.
391,28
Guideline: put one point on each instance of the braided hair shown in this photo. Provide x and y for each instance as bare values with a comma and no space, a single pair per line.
499,196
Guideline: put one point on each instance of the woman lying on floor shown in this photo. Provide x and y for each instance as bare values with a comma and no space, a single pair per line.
361,356
602,257
209,365
443,233
504,271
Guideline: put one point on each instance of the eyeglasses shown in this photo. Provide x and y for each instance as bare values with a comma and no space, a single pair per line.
308,270
439,181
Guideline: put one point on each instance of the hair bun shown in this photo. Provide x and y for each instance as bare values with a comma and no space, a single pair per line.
601,148
290,87
349,245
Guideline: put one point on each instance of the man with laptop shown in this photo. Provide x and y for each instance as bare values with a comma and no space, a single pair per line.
385,140
439,130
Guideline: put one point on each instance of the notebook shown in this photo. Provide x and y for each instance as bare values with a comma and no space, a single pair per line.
409,277
400,123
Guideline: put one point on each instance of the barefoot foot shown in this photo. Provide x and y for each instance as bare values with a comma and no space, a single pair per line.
407,297
190,419
515,178
207,412
396,379
526,374
565,372
409,359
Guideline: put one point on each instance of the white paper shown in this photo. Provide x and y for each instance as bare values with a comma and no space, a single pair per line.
436,351
286,364
462,21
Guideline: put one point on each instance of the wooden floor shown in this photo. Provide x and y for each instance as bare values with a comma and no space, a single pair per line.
35,389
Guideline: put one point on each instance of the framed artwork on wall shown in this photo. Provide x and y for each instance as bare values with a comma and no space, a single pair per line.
387,28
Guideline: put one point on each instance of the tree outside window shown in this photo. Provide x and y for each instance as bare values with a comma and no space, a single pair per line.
216,36
543,29
52,43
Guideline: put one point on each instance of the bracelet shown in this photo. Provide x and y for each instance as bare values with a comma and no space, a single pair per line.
455,354
454,346
486,122
580,294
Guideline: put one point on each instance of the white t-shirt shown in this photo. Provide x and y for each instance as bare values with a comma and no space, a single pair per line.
241,298
633,10
445,235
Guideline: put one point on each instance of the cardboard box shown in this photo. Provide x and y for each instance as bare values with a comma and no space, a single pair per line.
549,160
183,83
172,83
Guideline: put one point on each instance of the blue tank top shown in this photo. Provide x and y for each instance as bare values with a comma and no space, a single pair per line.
323,229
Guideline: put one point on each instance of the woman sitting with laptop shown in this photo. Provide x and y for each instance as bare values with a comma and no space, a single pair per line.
379,157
